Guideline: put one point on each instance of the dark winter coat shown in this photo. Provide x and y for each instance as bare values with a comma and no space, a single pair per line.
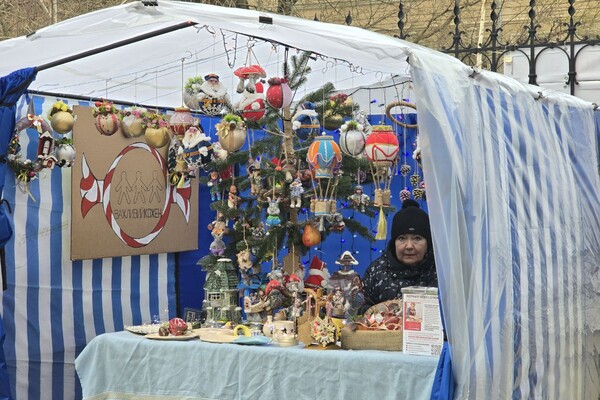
386,276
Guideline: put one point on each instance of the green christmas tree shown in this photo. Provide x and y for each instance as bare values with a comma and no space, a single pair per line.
272,164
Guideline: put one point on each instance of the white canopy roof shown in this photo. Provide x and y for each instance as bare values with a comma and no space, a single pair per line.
150,71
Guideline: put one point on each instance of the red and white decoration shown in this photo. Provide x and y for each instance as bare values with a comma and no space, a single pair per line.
279,93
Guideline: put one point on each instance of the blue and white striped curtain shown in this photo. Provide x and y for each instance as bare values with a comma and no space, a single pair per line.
53,307
513,191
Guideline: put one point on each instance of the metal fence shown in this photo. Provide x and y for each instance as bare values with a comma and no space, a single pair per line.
492,50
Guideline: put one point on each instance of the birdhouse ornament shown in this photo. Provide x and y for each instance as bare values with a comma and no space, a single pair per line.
279,93
305,121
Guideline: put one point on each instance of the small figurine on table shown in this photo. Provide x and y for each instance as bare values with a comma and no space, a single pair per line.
296,192
213,184
359,199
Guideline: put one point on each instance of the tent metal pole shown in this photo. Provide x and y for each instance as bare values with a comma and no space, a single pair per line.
115,45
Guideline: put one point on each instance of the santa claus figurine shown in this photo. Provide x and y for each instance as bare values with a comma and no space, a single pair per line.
252,105
318,275
212,95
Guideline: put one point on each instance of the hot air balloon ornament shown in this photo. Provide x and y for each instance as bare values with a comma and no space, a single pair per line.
324,157
381,148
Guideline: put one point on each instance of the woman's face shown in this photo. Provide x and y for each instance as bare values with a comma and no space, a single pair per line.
410,249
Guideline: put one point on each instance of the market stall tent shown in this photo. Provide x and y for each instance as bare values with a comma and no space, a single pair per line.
512,189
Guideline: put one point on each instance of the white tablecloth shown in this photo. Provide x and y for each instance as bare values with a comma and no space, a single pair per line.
123,365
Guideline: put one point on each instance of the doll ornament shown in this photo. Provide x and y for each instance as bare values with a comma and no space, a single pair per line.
213,184
296,192
359,200
211,95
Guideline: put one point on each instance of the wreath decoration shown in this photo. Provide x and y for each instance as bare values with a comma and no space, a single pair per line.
26,169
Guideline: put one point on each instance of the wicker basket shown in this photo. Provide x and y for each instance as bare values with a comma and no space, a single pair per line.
371,340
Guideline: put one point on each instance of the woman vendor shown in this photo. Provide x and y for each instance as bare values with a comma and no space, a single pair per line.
407,261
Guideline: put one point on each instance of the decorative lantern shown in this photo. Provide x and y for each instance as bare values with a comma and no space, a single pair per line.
279,94
181,121
305,121
324,155
231,132
133,120
352,138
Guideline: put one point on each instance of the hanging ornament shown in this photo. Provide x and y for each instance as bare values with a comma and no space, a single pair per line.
61,118
418,193
157,130
213,183
305,121
132,124
106,117
382,151
324,155
251,73
181,120
26,169
196,148
279,93
231,132
359,200
404,195
352,138
414,179
191,90
311,235
273,212
211,95
64,152
405,169
252,105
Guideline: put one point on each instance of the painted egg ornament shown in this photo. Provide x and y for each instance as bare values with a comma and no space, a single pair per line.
279,93
106,117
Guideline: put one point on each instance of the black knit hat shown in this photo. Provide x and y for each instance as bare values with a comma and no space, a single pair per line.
411,219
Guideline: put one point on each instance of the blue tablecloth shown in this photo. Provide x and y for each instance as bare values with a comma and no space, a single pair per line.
123,365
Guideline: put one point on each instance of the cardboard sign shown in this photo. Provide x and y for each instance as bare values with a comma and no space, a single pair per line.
122,202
